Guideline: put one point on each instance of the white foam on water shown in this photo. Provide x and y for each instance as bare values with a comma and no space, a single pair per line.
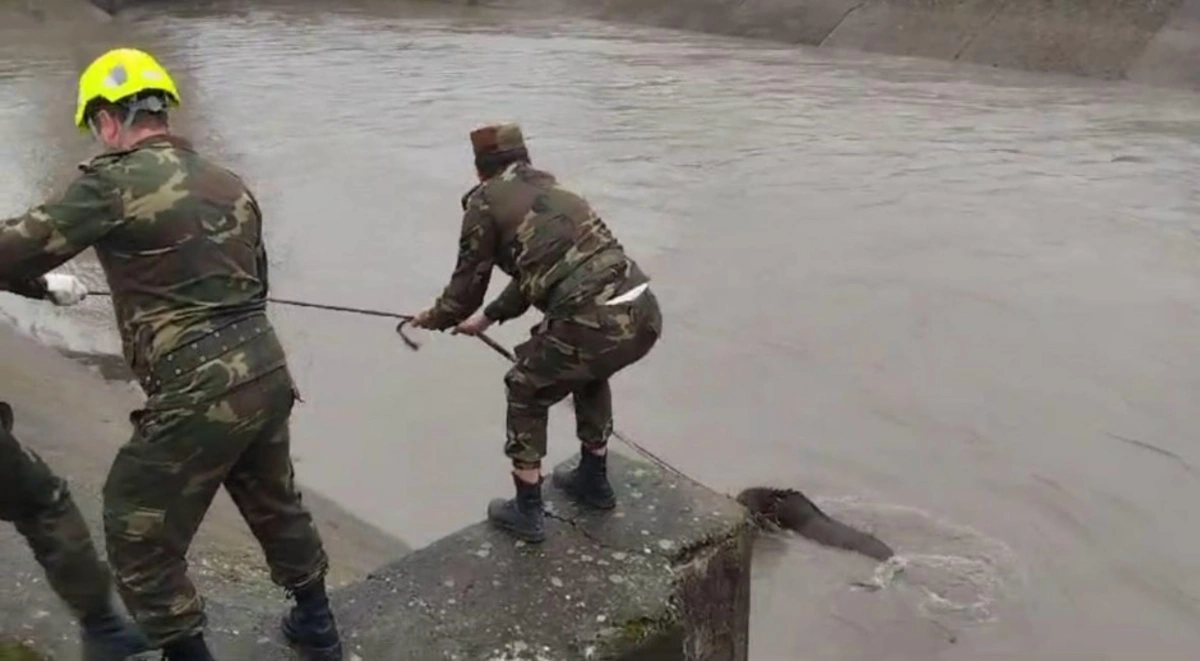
952,584
957,571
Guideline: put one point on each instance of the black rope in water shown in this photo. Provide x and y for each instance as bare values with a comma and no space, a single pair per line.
482,337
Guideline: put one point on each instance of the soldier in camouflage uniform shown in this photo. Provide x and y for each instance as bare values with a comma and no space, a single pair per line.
39,504
180,242
599,316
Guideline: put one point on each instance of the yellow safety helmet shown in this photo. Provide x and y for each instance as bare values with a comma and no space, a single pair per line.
120,74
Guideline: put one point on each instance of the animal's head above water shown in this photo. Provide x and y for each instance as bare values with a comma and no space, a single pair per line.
789,509
763,503
762,499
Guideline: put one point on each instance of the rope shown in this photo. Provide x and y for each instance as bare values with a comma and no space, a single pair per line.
404,318
304,304
482,337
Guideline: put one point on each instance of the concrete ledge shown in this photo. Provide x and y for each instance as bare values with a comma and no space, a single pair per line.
1172,56
806,22
1148,40
13,651
1154,41
664,576
925,28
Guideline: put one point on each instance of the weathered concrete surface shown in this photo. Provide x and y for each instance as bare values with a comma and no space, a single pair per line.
1173,55
76,421
1098,38
664,576
804,22
58,10
925,28
1156,41
14,651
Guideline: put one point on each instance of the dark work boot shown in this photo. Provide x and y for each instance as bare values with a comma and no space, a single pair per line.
310,626
522,516
192,648
108,637
588,482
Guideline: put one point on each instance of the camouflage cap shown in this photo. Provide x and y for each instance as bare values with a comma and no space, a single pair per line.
496,139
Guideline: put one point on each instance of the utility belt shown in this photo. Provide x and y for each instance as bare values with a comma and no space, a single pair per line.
183,361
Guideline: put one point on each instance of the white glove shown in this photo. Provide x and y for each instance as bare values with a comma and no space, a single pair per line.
64,289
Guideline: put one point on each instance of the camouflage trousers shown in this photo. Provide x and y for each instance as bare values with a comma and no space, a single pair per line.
576,357
163,481
40,505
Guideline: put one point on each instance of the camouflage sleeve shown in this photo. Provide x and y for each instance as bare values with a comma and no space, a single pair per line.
510,304
469,282
50,234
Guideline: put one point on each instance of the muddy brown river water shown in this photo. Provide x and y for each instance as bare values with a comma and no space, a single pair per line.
957,306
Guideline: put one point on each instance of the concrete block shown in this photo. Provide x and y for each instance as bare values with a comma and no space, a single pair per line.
925,28
1173,56
664,576
1099,38
807,22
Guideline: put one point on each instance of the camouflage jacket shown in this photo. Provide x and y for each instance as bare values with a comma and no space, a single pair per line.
561,257
179,239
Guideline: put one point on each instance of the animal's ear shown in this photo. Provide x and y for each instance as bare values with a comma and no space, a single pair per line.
6,416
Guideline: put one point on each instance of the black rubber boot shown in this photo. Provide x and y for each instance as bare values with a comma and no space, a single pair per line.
588,482
522,516
192,648
108,637
310,626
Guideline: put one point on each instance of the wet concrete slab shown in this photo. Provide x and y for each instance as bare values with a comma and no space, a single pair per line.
16,651
238,598
665,572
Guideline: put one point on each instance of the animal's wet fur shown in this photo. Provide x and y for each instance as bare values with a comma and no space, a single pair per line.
789,509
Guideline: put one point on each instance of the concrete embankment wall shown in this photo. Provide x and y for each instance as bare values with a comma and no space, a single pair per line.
1155,41
1152,41
1173,56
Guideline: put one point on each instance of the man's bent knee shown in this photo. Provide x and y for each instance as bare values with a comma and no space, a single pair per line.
518,387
